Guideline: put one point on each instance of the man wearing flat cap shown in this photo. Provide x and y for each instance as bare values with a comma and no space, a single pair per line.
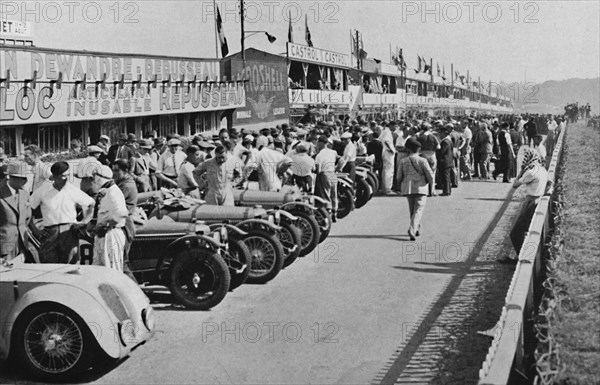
15,212
59,201
143,164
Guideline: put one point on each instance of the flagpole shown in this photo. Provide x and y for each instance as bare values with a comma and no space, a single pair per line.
216,31
242,33
452,79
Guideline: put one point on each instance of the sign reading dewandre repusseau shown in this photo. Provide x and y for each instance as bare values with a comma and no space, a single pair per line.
126,91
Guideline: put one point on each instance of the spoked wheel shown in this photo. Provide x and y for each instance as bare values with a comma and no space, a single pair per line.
345,200
363,192
53,343
324,220
310,233
267,256
290,237
199,279
238,258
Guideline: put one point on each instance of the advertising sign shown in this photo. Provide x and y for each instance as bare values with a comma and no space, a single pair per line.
124,93
318,56
266,89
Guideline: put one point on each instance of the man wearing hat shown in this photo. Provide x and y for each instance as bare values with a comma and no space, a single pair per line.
110,216
122,150
445,160
59,201
104,143
15,212
540,148
414,178
143,164
87,166
326,180
302,167
169,163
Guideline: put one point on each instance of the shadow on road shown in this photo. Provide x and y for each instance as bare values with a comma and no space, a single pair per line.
394,237
485,314
448,268
10,374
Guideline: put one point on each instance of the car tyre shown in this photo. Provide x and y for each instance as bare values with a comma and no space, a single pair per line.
266,253
345,200
290,236
198,279
55,330
363,192
324,220
239,252
309,231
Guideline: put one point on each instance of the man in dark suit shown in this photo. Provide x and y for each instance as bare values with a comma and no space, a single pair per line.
122,150
15,212
446,160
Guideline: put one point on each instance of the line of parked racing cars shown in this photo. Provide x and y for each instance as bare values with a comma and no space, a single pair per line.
58,320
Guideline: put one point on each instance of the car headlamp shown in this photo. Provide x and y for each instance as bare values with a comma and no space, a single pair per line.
277,217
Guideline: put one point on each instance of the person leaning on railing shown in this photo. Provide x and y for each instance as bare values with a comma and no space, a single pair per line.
534,177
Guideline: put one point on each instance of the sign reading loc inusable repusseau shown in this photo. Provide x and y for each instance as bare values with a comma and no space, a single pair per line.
116,86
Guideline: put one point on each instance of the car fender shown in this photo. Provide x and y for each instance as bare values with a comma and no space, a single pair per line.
230,228
186,242
289,216
317,201
250,224
101,321
346,182
301,206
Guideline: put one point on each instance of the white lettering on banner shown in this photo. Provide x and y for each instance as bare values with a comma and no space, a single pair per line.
23,63
279,111
317,55
28,106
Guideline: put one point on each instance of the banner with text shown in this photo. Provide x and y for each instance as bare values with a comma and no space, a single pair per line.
317,56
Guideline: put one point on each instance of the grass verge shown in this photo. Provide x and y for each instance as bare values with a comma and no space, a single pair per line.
575,271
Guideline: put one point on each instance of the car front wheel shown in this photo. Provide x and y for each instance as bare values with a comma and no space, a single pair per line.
53,343
199,279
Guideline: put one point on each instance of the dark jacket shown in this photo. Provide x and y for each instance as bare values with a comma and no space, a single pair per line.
445,153
129,189
13,221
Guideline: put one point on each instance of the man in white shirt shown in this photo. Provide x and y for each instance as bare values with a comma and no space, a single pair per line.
169,163
59,202
302,166
270,165
326,180
347,163
41,171
108,225
185,180
220,171
388,154
535,179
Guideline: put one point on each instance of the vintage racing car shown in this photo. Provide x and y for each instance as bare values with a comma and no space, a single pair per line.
192,260
272,238
57,320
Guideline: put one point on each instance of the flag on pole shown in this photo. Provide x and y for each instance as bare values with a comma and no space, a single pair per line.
439,72
290,37
307,32
222,38
419,69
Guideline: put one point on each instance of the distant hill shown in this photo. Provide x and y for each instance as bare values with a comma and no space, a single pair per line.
552,95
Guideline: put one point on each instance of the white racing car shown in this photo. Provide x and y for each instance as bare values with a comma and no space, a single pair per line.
57,320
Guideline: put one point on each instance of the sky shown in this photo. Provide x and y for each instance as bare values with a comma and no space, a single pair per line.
496,40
